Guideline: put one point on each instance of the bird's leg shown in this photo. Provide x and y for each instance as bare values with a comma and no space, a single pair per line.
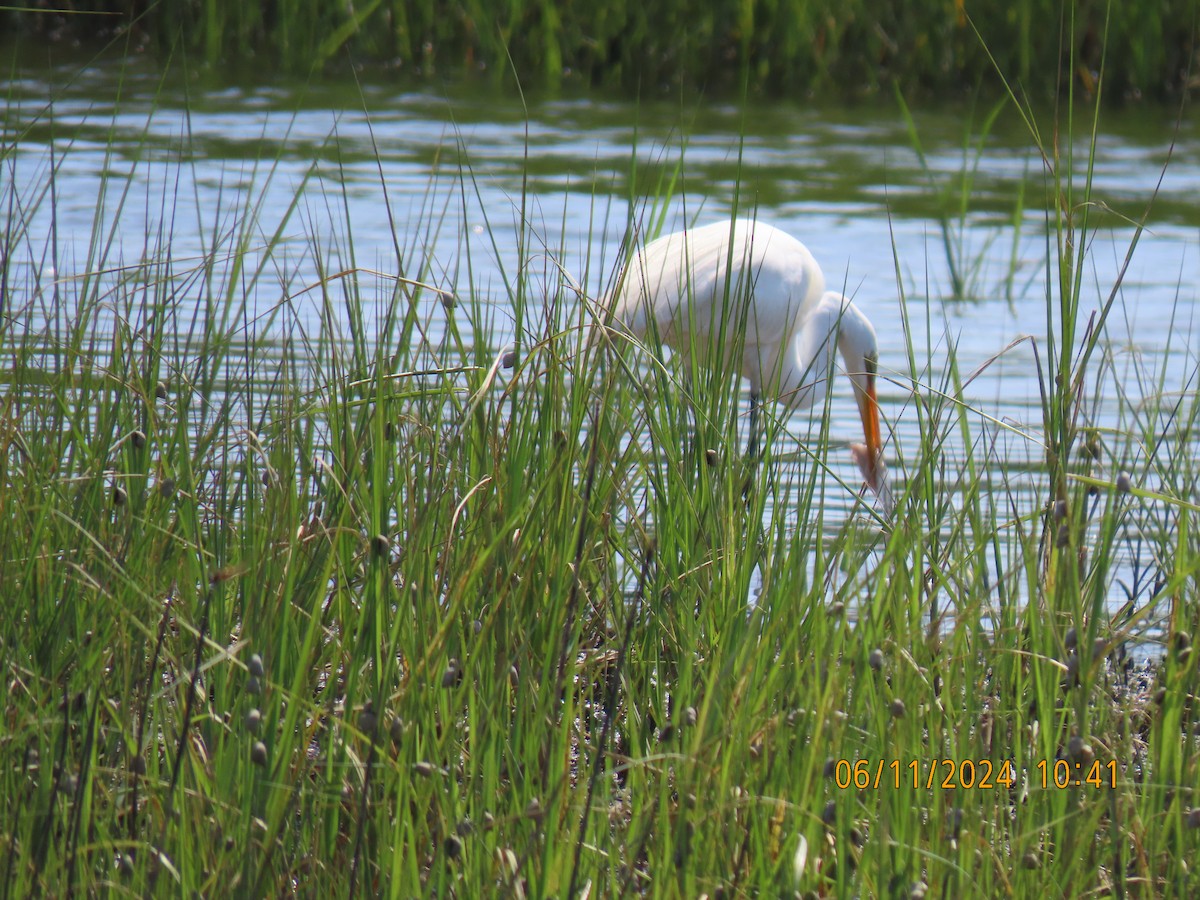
751,450
752,444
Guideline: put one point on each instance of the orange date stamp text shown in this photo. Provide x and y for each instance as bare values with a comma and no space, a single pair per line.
968,774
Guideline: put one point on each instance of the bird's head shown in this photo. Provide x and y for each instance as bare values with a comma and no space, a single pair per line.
860,354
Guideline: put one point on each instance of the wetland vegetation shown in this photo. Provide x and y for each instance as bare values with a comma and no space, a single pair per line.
805,50
313,584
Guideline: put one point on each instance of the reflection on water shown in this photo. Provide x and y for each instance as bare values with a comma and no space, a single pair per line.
435,185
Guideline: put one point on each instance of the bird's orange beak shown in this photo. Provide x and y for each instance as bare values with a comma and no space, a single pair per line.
870,457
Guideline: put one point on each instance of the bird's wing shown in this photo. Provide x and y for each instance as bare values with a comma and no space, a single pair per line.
706,279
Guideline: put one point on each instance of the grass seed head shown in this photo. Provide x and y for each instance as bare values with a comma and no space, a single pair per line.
255,666
253,685
1079,751
253,720
367,719
380,545
160,390
258,754
1073,746
452,677
829,814
138,439
1192,817
875,660
119,496
453,846
1071,678
898,708
1123,483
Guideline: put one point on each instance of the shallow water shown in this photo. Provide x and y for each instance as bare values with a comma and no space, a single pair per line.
180,159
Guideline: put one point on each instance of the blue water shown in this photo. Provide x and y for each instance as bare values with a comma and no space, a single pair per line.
436,185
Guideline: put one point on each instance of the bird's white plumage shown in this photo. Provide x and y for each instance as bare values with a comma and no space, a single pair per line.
696,289
695,283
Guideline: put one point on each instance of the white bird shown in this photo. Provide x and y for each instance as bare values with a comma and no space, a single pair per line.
695,289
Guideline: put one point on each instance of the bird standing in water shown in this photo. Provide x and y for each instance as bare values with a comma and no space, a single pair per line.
696,288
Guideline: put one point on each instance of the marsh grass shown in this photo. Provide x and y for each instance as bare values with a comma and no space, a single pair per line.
954,202
364,611
850,48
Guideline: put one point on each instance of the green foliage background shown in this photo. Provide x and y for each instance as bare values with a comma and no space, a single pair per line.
779,47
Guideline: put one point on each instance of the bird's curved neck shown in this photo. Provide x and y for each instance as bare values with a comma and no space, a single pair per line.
835,323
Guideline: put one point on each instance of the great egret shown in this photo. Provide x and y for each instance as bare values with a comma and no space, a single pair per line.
697,287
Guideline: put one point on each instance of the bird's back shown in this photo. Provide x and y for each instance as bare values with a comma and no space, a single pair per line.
696,286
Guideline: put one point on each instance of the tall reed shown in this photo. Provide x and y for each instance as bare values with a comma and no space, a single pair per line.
353,599
807,50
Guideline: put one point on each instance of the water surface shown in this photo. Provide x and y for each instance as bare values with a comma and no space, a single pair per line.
435,183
